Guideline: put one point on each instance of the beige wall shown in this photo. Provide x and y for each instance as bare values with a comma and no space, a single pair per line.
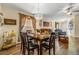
11,13
53,25
72,37
63,25
76,22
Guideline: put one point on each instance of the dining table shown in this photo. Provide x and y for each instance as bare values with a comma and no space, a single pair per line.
40,38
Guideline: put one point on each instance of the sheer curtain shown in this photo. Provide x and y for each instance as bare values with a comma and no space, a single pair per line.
27,24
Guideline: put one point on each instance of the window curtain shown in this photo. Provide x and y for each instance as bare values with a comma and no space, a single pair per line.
23,18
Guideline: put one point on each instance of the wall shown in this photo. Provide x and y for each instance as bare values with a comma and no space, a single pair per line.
11,13
76,21
0,32
72,37
52,24
63,25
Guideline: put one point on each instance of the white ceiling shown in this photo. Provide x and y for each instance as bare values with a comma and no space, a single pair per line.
47,9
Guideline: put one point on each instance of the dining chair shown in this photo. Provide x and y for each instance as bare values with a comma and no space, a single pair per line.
27,44
50,43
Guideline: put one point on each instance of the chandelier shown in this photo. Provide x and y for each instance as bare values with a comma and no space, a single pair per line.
38,15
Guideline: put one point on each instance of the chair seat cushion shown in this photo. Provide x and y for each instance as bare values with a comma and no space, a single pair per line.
46,45
33,46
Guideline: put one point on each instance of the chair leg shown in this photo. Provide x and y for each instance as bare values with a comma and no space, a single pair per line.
38,50
54,50
23,51
28,52
49,51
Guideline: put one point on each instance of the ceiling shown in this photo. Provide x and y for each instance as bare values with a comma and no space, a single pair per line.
49,10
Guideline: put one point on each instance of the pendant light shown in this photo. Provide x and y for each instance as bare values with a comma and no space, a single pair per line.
38,15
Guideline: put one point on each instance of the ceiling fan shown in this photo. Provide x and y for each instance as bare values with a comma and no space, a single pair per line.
76,11
71,8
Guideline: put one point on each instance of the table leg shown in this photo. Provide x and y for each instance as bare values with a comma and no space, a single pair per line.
40,47
49,51
54,47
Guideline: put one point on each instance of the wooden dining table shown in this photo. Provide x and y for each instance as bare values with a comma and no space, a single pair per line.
39,38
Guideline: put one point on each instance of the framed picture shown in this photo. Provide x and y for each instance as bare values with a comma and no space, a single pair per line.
46,24
9,21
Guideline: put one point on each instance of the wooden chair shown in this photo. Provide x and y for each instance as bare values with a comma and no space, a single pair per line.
50,43
27,44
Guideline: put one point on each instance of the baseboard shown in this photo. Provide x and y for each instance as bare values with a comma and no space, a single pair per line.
76,37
